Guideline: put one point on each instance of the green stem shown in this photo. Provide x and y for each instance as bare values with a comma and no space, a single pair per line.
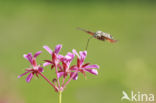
60,96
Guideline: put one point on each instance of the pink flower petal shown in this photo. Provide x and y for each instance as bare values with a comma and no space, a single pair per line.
74,68
29,57
69,56
46,64
68,59
37,53
83,55
93,71
60,56
75,52
48,49
58,48
40,69
91,66
75,76
29,77
25,56
60,74
23,74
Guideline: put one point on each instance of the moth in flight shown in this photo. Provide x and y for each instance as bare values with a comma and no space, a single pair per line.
99,35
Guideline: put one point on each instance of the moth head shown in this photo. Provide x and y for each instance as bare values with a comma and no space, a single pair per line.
98,33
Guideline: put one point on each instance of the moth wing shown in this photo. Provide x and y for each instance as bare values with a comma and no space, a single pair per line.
111,40
89,32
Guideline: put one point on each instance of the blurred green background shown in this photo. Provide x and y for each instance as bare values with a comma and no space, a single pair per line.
25,26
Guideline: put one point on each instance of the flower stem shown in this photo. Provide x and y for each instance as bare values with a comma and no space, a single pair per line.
58,82
69,79
60,96
48,81
63,80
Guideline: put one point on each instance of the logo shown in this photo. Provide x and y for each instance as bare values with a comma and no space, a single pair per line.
137,97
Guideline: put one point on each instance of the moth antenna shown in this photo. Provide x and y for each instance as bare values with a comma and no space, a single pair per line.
88,42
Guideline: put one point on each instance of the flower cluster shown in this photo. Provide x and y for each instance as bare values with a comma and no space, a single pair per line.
62,65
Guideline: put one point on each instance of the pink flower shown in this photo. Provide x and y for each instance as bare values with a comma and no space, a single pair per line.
81,66
65,67
55,56
34,69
